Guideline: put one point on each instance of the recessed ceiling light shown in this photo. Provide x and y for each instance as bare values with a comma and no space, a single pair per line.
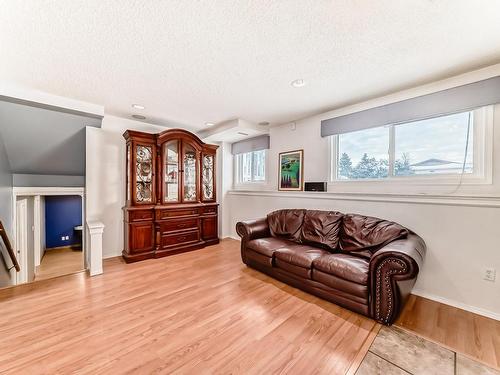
138,106
139,117
241,133
209,124
298,83
264,123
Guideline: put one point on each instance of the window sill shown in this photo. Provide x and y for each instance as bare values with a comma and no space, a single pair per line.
430,180
442,186
435,199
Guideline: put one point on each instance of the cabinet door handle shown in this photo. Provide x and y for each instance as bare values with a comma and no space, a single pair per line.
182,238
182,225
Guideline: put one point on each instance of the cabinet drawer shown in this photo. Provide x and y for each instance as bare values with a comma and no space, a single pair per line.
210,210
177,225
179,239
165,214
140,215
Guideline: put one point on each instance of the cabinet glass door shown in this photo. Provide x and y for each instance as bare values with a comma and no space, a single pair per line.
128,173
144,174
189,166
207,177
171,172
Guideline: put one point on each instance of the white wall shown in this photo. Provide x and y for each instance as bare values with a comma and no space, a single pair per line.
461,231
224,185
105,177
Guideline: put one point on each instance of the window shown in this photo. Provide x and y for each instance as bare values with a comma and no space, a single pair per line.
251,167
444,146
435,146
364,154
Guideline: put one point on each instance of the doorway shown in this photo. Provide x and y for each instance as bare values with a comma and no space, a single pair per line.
25,239
62,252
49,233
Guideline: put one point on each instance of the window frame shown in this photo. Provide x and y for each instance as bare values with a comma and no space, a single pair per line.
482,158
238,171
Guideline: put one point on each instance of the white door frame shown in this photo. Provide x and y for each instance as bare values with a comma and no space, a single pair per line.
37,231
21,239
38,192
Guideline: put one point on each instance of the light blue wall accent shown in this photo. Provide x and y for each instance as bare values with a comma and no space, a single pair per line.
40,180
41,141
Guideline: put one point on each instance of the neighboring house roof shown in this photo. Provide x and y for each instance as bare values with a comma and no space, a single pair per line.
433,162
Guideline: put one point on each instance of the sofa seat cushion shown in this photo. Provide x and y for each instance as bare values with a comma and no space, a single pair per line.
302,272
354,291
366,234
297,259
321,228
299,255
255,257
344,266
268,245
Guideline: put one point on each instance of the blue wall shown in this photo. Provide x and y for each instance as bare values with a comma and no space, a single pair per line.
62,214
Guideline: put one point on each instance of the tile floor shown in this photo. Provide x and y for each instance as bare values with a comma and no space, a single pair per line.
398,352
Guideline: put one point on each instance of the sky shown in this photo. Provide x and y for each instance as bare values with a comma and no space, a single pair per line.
439,138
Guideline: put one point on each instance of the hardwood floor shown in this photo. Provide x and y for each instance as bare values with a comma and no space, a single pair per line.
205,312
192,313
58,262
470,334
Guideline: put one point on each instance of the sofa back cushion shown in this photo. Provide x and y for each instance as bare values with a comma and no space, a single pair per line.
286,223
365,234
321,228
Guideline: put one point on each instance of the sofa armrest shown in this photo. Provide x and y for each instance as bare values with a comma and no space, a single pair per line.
393,272
252,229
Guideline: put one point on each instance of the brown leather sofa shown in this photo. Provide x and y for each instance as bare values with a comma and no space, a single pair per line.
365,264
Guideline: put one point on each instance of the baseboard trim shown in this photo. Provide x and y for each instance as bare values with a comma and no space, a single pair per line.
458,305
112,255
61,248
232,237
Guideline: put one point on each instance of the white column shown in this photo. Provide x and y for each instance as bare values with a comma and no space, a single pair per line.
95,230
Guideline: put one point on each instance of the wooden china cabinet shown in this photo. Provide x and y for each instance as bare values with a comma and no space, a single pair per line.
171,204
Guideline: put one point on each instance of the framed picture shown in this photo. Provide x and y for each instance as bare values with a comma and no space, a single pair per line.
291,170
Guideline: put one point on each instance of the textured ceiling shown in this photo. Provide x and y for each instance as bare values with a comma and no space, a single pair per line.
194,61
42,141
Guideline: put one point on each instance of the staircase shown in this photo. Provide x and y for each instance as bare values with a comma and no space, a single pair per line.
10,250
